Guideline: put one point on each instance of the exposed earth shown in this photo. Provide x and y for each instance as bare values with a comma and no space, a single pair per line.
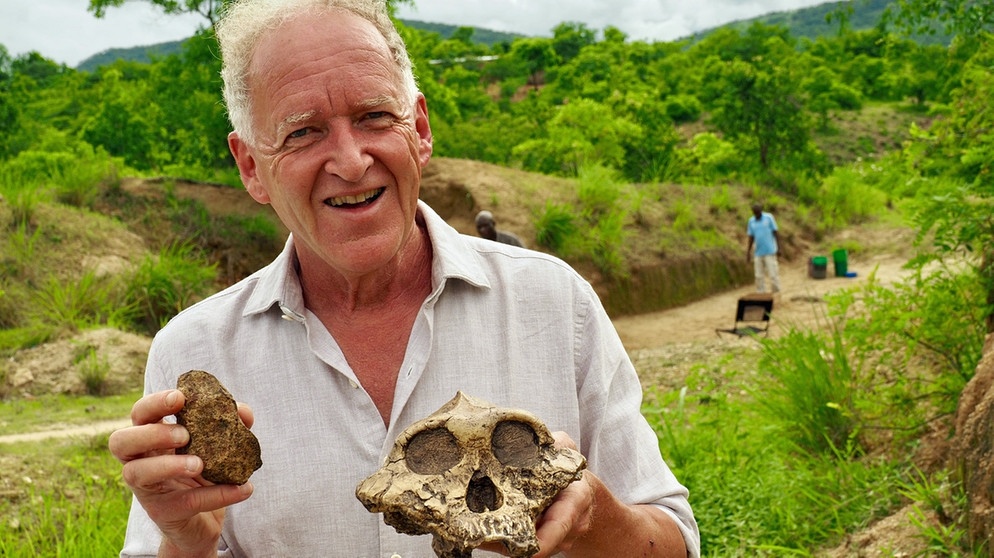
664,344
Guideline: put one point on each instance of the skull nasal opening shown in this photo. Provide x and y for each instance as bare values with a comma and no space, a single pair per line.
482,494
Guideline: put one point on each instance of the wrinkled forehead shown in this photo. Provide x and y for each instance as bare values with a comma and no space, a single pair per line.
316,58
318,32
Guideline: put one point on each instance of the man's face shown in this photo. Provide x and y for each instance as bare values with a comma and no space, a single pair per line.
486,229
340,145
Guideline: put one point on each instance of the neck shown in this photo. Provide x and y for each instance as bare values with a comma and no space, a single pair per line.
405,279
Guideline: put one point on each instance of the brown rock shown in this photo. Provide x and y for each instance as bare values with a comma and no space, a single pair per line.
973,447
230,451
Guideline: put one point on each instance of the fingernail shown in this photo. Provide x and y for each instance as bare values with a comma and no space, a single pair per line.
180,435
245,488
172,399
193,464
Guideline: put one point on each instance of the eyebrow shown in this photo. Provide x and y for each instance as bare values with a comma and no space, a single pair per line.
374,102
292,120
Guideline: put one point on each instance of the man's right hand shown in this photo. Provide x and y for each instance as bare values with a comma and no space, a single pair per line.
187,509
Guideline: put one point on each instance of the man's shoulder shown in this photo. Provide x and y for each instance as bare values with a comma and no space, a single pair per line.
213,312
509,238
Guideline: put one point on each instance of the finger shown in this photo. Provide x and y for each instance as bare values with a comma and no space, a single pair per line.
563,440
246,414
218,496
162,473
156,406
566,519
552,536
178,506
133,442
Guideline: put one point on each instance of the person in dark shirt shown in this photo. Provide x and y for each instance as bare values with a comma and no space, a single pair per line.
487,228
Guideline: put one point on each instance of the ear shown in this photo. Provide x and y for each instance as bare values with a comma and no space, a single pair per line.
423,129
247,168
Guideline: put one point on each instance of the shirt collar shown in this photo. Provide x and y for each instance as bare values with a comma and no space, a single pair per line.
452,258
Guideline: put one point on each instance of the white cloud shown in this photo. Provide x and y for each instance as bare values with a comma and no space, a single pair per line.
64,31
652,20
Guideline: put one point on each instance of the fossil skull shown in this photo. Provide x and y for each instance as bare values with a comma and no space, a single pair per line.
470,474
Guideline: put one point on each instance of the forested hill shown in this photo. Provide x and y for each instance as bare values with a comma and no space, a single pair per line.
143,54
824,19
809,23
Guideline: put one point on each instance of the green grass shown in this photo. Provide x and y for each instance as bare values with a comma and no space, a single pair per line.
45,412
62,499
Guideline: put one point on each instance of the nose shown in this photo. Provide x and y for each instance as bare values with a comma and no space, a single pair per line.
346,155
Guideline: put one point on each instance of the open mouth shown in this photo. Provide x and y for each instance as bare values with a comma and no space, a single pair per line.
358,200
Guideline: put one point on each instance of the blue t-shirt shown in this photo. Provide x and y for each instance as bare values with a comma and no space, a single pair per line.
762,231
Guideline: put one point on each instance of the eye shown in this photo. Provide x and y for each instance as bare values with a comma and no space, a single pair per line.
298,133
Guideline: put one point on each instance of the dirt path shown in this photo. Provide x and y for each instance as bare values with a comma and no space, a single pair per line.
800,303
82,430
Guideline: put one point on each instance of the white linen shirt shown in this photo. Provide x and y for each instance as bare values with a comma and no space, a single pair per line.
512,326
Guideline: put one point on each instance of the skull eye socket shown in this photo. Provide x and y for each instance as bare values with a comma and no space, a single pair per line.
432,452
515,444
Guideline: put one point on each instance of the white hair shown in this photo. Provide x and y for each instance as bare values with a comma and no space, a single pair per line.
244,22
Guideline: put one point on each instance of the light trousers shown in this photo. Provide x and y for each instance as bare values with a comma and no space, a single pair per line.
767,266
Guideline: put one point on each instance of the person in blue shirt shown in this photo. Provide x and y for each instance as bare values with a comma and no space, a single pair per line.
762,231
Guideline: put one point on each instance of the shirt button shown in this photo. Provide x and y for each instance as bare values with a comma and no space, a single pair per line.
356,386
396,556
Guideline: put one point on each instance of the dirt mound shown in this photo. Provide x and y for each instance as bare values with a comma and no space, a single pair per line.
114,359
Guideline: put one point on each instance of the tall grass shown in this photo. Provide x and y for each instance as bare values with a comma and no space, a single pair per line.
809,387
93,369
76,305
752,494
555,227
71,503
594,228
62,168
788,450
164,284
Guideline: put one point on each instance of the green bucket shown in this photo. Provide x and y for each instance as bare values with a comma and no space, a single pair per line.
841,260
818,266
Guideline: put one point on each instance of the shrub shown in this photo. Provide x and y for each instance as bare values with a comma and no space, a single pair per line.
683,108
92,369
846,198
809,387
555,227
77,305
163,285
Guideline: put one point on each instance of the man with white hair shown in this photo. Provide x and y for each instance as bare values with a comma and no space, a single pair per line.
375,314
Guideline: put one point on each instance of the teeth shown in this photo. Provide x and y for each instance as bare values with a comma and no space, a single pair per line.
350,200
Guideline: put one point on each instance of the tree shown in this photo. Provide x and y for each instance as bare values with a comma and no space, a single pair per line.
580,133
964,17
535,55
961,214
568,39
761,103
964,142
9,113
209,9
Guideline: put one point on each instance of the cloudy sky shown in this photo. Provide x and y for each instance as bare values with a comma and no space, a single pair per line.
64,31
